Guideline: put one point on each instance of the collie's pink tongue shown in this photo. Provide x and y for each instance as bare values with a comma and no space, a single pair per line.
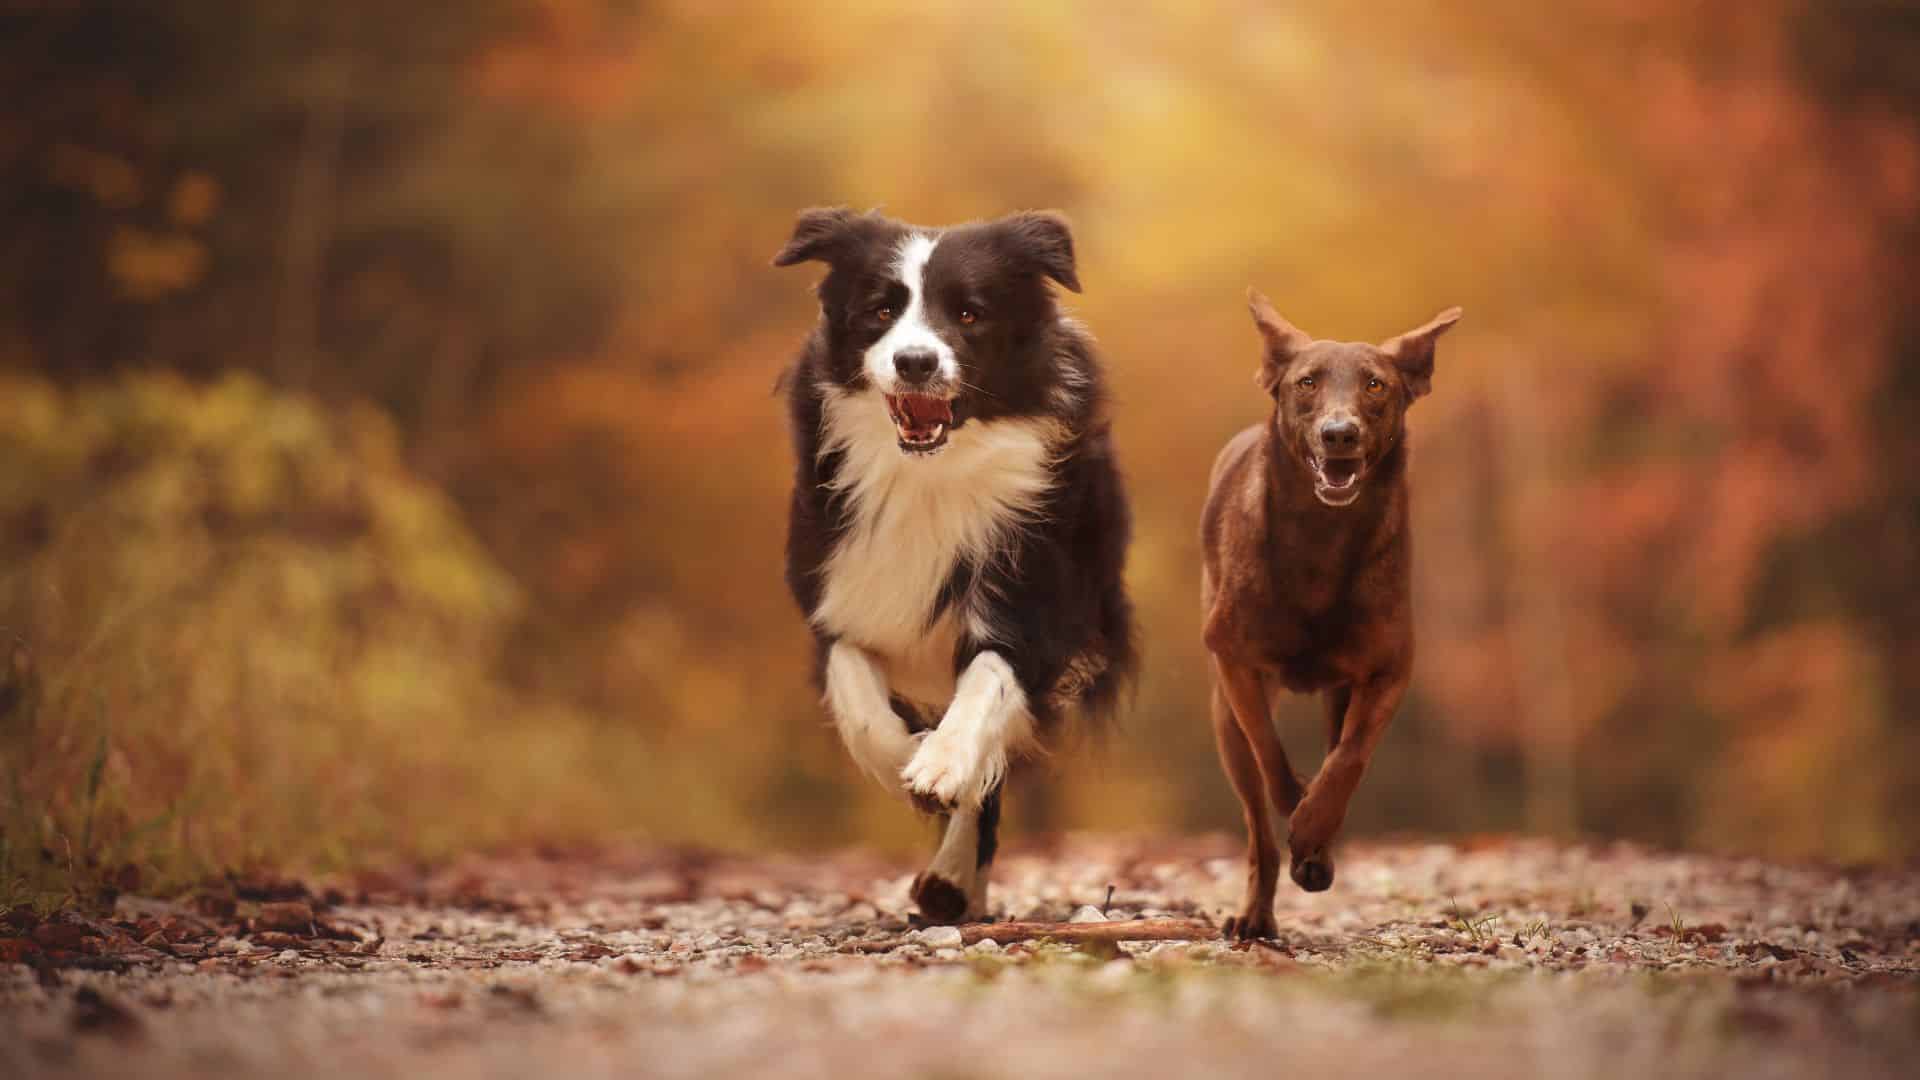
919,416
920,411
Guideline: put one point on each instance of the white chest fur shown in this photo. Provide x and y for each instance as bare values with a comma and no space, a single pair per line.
914,519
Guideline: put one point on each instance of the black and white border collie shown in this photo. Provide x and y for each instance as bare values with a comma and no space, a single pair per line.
958,526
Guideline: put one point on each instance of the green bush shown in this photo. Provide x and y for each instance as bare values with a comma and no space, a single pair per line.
238,629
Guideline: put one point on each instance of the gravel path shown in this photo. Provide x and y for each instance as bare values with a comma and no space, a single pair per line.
1490,959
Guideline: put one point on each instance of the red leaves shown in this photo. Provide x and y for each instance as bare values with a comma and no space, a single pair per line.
62,936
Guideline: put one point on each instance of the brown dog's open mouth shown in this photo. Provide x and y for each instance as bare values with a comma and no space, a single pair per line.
921,420
1337,480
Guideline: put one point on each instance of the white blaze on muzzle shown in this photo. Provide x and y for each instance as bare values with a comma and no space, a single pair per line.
911,329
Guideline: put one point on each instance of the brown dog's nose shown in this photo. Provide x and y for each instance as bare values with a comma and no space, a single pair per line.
1340,436
915,365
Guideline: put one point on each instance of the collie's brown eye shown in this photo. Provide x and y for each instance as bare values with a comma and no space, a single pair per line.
1375,386
883,313
968,317
1306,382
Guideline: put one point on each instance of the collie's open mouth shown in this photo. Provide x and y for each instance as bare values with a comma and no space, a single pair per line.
1337,480
921,420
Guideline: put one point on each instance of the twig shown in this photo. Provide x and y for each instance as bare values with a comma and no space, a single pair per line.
1077,933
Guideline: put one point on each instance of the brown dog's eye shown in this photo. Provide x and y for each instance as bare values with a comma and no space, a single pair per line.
968,317
883,313
1375,386
1306,382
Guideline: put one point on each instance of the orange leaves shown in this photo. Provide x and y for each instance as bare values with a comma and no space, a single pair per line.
147,265
110,179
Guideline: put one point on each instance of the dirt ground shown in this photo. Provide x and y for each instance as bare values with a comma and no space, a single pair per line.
1489,959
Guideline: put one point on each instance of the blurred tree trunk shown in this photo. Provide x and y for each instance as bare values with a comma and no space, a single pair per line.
1537,630
310,216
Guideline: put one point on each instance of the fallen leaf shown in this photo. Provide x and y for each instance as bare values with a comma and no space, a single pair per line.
293,916
68,936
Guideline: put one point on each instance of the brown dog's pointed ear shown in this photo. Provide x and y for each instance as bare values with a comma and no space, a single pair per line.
1283,339
1044,238
1412,352
817,234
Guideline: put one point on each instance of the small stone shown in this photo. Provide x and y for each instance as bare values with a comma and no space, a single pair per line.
940,937
986,946
1087,913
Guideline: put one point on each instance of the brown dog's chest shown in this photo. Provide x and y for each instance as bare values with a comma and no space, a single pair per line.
1316,601
1306,630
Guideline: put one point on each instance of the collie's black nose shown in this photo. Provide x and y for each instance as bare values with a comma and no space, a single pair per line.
915,366
1340,436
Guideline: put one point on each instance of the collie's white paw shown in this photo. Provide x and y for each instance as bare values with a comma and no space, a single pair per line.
952,769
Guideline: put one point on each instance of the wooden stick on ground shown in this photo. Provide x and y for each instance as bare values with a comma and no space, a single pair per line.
1078,933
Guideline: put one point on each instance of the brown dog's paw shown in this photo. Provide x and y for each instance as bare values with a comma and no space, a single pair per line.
941,902
1314,873
1250,926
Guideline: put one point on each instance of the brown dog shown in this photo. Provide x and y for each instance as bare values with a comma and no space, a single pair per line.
1305,584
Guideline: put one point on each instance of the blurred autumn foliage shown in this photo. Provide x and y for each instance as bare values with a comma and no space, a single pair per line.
387,463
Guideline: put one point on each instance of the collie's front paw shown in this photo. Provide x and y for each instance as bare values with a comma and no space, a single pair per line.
941,902
947,771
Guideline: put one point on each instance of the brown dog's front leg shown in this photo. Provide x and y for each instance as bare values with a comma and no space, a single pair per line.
1317,819
1247,693
1240,709
1337,701
1263,854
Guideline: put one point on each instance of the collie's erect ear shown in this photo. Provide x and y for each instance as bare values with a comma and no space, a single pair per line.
1412,352
1045,240
819,233
1283,339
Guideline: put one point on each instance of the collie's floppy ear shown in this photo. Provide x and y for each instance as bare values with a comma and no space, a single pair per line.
1412,352
1044,238
1283,339
818,233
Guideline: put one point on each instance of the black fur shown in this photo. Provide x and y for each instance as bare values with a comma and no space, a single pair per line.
989,829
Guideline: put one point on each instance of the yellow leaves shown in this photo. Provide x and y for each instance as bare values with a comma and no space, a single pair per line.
148,265
110,179
254,588
144,263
